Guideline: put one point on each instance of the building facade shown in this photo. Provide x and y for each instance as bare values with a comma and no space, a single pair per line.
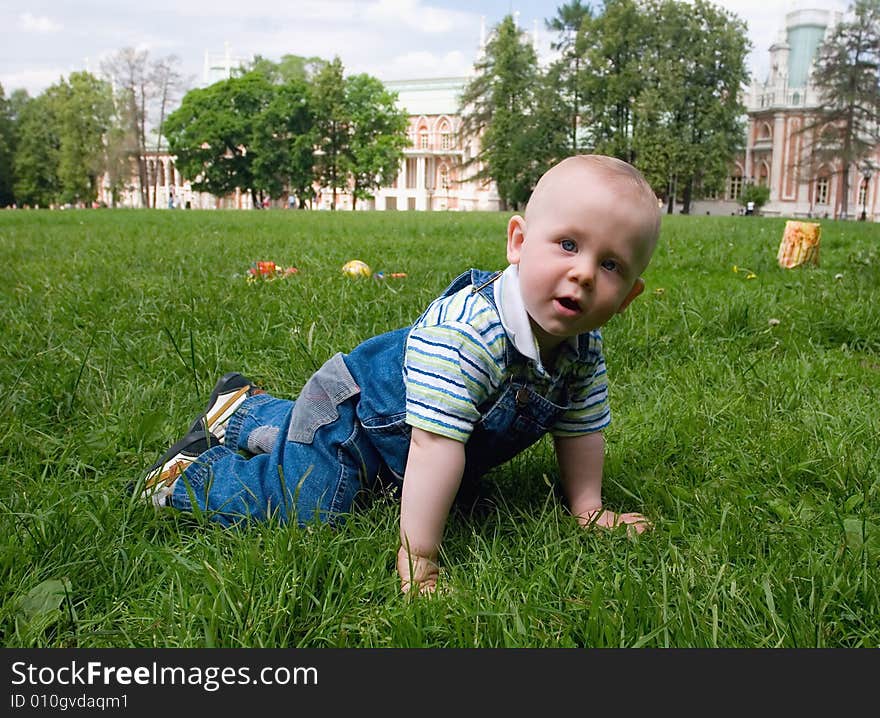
432,174
777,155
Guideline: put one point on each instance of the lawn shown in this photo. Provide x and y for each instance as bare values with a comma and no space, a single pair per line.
746,426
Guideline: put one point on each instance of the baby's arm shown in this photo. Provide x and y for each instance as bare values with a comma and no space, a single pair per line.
580,468
433,474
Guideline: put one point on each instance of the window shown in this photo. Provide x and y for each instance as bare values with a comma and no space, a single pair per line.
444,177
822,190
446,140
736,185
423,139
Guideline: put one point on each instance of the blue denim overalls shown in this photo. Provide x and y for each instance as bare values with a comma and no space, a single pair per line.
347,431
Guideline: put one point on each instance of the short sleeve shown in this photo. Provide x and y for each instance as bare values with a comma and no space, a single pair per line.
449,371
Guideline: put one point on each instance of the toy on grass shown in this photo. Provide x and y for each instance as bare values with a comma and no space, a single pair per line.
800,244
356,268
389,275
269,270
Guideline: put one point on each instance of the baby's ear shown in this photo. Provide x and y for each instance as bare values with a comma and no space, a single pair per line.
637,288
516,234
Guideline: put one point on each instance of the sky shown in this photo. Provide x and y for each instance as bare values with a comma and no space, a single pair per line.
44,40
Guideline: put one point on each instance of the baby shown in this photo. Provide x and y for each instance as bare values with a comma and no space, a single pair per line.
492,365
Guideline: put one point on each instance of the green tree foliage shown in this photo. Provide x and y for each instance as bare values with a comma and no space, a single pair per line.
660,85
284,140
498,105
566,72
333,127
688,111
757,193
613,45
7,150
378,135
213,131
37,151
272,129
85,109
290,67
846,128
60,148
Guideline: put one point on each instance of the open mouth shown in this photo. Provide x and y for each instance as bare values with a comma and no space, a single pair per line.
569,304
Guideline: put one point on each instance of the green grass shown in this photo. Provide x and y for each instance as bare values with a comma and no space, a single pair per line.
754,447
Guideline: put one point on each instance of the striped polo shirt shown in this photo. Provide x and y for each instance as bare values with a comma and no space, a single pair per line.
455,361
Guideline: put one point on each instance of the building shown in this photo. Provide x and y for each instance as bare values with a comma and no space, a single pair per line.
432,175
776,155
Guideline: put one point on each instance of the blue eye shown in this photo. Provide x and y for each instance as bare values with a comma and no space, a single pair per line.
610,265
568,245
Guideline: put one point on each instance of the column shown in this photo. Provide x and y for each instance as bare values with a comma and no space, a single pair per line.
421,202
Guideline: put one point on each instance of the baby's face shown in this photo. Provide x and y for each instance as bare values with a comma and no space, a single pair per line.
580,252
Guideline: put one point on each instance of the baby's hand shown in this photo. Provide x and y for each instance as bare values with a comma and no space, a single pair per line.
416,572
610,520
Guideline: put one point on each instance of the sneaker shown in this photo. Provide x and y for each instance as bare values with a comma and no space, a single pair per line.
229,393
162,476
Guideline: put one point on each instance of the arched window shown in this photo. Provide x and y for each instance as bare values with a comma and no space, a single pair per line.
445,136
444,177
822,186
735,186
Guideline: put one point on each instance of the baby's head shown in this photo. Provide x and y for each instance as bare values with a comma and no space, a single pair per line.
588,233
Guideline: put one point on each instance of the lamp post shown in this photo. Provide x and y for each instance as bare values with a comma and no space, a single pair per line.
867,171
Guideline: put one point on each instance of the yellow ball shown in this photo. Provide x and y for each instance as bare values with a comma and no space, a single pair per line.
356,268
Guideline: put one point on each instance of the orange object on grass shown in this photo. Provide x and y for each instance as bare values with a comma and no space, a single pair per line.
800,244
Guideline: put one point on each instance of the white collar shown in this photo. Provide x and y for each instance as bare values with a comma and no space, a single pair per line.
515,318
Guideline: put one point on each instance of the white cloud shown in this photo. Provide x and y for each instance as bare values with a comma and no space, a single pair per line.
422,63
34,81
41,24
415,15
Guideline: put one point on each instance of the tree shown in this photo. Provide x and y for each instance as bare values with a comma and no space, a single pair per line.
758,194
498,106
845,129
332,127
284,140
613,44
567,70
213,131
167,82
688,111
85,107
37,151
378,136
290,67
128,71
7,150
